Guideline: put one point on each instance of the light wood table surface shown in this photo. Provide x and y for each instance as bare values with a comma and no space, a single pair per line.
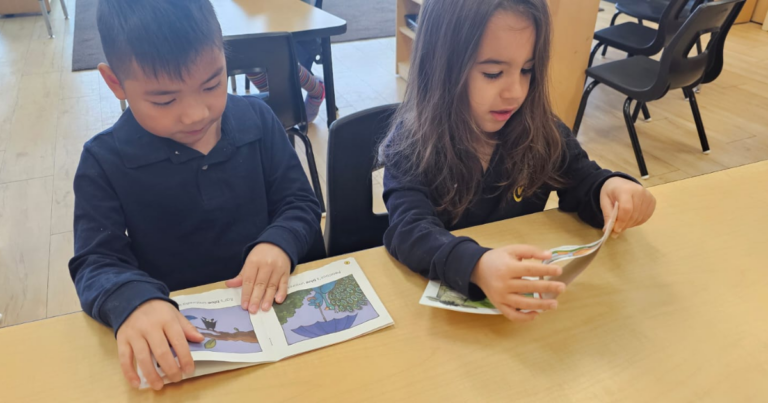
244,18
674,311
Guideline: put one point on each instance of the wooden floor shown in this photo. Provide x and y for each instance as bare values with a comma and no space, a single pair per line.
47,112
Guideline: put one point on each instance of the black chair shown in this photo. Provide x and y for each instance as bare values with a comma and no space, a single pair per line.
308,52
652,10
644,79
637,39
351,224
273,53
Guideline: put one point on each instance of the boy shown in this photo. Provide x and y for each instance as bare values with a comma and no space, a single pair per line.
190,186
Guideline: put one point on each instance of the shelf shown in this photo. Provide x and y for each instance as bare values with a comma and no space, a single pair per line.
403,68
408,32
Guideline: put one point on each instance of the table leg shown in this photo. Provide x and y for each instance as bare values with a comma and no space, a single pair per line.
46,18
330,93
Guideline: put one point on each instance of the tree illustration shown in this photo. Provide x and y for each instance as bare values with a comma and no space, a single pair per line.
212,335
292,303
347,296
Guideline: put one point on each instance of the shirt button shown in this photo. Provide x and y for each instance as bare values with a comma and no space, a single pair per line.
205,167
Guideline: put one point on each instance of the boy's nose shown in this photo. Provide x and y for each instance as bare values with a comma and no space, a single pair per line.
194,114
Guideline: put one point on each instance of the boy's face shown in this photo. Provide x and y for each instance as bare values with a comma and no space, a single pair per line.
187,112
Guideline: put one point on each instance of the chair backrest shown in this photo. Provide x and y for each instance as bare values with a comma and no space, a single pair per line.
668,24
350,223
677,69
271,53
716,66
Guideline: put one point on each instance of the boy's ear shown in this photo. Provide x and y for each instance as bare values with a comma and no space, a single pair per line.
112,82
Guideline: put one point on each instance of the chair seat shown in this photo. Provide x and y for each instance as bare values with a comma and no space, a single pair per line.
649,10
628,37
632,76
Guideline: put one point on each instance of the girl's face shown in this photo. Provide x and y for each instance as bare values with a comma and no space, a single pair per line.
501,76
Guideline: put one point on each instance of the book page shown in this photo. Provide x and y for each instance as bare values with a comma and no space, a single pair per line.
233,337
325,306
573,259
231,333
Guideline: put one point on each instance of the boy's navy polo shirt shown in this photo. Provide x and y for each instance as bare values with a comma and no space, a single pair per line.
152,215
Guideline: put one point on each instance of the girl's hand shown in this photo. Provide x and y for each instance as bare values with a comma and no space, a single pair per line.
499,273
636,204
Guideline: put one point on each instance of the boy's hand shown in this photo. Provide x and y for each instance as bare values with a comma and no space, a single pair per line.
264,277
636,204
148,331
499,274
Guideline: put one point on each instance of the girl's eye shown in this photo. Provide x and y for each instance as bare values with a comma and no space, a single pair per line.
527,71
213,88
164,103
492,76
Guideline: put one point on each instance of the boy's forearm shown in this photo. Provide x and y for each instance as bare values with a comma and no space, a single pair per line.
109,293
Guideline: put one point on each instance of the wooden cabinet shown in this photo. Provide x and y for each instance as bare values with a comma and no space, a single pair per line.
21,7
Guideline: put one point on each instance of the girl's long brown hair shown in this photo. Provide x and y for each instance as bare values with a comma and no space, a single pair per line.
433,138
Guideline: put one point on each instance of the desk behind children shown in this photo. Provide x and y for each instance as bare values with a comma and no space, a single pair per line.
241,18
671,311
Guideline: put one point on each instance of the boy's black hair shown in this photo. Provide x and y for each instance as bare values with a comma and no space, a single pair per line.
164,37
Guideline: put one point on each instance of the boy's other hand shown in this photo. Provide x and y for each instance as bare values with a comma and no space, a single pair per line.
154,328
264,277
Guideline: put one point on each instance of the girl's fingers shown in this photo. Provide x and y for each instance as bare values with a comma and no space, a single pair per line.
521,252
516,316
527,303
536,270
522,286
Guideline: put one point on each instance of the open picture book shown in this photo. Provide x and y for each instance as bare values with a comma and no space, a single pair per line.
325,306
573,259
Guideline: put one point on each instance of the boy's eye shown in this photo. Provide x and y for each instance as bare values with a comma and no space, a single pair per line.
492,76
164,103
213,88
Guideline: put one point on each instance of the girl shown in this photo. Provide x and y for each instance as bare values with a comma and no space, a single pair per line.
475,141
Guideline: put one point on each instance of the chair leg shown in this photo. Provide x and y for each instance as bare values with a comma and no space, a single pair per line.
312,167
633,138
247,85
615,16
233,80
698,45
639,21
636,112
646,113
46,18
699,122
592,55
583,106
613,22
64,9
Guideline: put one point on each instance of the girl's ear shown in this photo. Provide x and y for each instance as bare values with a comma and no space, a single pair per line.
112,82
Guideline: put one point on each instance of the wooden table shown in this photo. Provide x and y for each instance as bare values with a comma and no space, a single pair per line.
675,311
244,18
